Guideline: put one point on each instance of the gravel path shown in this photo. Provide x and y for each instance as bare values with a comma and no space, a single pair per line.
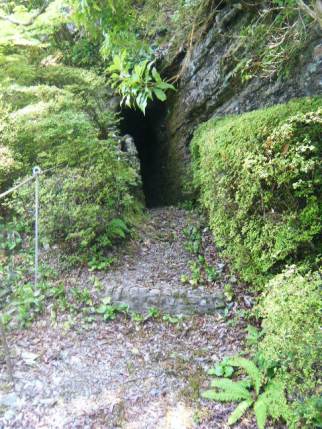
122,374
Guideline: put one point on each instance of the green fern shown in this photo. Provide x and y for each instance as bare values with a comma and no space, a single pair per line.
260,409
236,387
271,402
275,400
227,391
239,411
250,368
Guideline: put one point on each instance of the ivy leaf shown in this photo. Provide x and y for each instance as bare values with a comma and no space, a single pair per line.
229,370
101,309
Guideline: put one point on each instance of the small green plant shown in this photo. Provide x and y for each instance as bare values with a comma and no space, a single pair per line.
184,278
139,84
99,263
194,239
109,311
223,369
201,271
212,273
174,320
98,285
196,273
266,396
137,317
154,313
229,292
254,335
82,296
28,302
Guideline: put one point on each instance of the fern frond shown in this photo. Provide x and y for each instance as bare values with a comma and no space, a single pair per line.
230,386
246,383
250,368
223,396
275,400
229,390
239,411
260,409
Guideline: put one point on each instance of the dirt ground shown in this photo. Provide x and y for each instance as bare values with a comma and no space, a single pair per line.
120,373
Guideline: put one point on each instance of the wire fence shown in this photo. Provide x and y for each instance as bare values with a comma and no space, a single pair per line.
36,172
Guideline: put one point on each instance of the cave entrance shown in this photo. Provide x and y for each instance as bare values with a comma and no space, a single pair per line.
146,131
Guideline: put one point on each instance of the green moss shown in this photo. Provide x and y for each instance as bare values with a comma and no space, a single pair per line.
259,179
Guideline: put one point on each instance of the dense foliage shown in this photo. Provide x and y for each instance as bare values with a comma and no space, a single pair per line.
259,177
258,174
260,180
291,344
55,116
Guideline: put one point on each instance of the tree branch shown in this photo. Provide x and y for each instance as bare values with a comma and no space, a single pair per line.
31,19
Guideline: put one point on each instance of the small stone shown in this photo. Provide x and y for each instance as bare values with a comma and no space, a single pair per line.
135,351
317,53
220,267
49,402
9,400
248,301
9,415
29,358
154,392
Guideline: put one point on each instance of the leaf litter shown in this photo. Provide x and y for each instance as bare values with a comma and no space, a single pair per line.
123,374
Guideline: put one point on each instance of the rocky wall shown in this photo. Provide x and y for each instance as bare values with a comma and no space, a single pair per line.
208,87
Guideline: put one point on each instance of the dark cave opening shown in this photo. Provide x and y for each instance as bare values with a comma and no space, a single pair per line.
146,131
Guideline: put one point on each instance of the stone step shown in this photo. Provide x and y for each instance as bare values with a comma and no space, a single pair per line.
185,301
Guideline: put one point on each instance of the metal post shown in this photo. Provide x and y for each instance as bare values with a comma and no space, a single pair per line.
35,172
6,350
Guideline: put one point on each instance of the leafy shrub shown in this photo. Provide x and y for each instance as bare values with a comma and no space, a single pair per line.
89,207
259,178
56,117
8,166
290,309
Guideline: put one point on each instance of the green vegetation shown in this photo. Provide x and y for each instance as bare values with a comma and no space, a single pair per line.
201,271
271,44
258,174
138,86
291,342
260,180
55,117
266,395
259,177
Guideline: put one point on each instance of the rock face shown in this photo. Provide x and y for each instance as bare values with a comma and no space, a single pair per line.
208,87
